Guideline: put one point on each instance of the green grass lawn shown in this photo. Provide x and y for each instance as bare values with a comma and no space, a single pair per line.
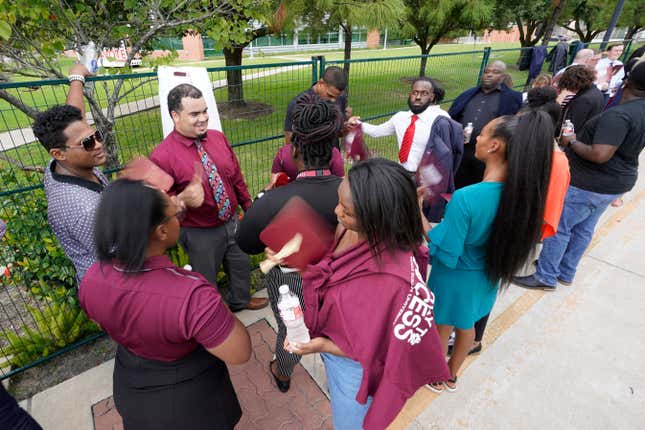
43,96
377,88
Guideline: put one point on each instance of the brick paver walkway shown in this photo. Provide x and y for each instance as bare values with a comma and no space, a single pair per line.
304,406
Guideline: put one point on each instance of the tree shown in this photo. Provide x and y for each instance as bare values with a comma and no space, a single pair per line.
265,17
37,31
348,14
632,18
588,17
528,15
535,19
427,21
556,11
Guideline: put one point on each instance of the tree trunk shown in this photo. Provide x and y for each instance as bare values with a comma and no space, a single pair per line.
586,37
347,32
425,50
233,57
631,32
550,24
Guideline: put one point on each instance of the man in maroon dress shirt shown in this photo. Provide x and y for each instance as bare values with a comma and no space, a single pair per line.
208,232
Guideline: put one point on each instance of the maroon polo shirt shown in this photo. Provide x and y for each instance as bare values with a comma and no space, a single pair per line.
177,155
159,313
284,163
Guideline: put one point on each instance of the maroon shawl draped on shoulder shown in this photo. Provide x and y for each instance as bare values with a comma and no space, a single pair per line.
380,315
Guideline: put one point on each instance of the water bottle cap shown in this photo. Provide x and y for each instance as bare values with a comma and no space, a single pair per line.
284,289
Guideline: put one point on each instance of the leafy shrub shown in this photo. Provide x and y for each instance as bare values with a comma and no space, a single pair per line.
39,263
58,325
177,255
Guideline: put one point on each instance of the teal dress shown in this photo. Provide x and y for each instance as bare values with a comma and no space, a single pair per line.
463,292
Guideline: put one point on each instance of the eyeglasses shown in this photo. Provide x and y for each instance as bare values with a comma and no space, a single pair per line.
88,143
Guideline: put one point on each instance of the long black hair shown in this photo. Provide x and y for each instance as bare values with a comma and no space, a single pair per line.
385,205
316,125
127,214
518,223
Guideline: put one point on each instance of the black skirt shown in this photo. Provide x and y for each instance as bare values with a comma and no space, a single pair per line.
194,392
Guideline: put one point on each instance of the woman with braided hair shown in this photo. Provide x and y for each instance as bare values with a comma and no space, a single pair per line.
283,163
316,124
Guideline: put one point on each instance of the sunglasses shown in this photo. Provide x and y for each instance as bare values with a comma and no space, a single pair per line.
88,143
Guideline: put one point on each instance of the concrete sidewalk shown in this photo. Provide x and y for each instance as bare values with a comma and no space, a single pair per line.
569,359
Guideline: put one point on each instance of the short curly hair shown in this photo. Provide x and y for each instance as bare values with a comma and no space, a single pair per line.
576,78
49,125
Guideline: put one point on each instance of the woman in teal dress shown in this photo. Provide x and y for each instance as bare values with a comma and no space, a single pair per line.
489,228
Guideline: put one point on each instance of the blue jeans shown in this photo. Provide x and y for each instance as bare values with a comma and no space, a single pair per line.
344,377
561,253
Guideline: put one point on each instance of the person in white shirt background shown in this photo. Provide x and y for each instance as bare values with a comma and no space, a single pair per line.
585,57
423,100
608,79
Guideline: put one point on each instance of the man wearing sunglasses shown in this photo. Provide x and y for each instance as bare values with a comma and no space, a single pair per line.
73,183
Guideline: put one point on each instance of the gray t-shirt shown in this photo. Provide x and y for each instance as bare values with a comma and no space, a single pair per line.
71,207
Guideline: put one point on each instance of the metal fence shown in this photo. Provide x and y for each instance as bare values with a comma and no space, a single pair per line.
39,315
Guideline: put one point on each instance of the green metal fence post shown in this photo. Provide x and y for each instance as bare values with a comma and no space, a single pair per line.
484,63
314,70
628,47
322,64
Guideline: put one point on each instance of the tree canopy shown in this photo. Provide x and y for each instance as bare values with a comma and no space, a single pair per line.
427,21
35,32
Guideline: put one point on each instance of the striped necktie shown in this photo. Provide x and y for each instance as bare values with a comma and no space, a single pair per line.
215,182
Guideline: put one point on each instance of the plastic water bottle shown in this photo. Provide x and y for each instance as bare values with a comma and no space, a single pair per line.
567,128
89,58
468,132
291,314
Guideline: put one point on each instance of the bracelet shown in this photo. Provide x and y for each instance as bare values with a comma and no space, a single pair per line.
73,78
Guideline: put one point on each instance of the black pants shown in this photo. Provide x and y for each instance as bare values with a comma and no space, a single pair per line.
194,392
12,416
471,170
273,280
208,248
480,328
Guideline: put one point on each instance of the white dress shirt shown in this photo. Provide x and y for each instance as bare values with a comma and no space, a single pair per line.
399,123
601,75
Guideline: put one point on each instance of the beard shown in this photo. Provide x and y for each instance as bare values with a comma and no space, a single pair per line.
418,109
202,136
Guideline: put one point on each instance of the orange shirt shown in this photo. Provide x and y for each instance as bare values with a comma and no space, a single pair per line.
558,185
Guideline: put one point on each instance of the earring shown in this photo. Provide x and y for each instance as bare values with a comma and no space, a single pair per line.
490,150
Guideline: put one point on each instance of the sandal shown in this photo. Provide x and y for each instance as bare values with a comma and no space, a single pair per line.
436,387
283,386
452,381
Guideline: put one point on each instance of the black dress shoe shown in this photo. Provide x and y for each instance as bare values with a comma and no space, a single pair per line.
531,283
283,386
563,282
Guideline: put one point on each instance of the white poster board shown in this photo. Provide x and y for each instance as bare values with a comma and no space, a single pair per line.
170,77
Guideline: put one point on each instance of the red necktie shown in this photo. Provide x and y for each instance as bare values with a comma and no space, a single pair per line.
407,140
610,71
